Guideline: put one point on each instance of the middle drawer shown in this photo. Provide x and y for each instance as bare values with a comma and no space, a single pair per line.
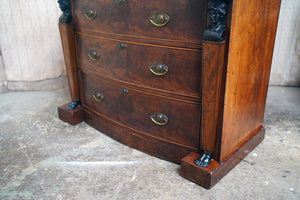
171,120
164,68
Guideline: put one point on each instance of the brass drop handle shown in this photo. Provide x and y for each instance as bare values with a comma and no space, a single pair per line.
90,14
159,119
94,55
98,97
159,19
159,69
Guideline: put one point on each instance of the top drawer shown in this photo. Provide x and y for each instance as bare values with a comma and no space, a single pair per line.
168,19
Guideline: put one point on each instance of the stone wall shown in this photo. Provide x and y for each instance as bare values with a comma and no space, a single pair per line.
286,59
31,52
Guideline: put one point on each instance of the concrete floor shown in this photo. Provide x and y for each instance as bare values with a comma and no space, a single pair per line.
42,157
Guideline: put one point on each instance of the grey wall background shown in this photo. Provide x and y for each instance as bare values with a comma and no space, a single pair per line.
286,57
31,55
31,52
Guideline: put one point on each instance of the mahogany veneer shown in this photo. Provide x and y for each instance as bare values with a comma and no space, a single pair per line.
125,65
182,80
73,117
131,17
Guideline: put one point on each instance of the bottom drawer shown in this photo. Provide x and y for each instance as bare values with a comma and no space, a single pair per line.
171,120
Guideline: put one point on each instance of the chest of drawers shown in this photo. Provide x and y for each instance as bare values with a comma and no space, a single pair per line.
183,80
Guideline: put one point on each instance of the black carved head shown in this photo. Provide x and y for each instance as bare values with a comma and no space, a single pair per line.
64,5
66,17
217,11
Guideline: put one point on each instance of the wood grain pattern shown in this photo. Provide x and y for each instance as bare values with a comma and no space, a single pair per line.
134,110
126,65
213,94
197,45
212,70
132,17
72,117
252,35
67,39
215,171
142,142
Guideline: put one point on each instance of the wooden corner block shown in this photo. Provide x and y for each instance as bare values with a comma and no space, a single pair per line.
207,177
199,175
72,117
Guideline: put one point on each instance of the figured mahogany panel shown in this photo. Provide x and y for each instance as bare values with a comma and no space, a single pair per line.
142,40
212,70
179,70
252,35
150,145
186,18
68,44
180,124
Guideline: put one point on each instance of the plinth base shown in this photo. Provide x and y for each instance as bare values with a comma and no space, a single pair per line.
72,117
207,177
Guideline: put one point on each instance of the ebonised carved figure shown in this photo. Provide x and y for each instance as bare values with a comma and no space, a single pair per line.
204,160
66,17
216,28
73,105
215,32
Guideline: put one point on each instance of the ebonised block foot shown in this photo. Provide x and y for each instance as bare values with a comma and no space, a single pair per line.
204,160
73,116
73,105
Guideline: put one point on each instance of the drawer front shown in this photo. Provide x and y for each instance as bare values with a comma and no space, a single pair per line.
179,123
162,68
168,19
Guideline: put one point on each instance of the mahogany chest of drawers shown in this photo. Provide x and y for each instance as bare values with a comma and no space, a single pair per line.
183,80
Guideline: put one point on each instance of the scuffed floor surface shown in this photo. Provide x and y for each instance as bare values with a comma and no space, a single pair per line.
42,157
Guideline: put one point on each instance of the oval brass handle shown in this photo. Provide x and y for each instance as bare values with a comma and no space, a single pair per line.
159,19
159,119
98,97
90,14
94,55
159,69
